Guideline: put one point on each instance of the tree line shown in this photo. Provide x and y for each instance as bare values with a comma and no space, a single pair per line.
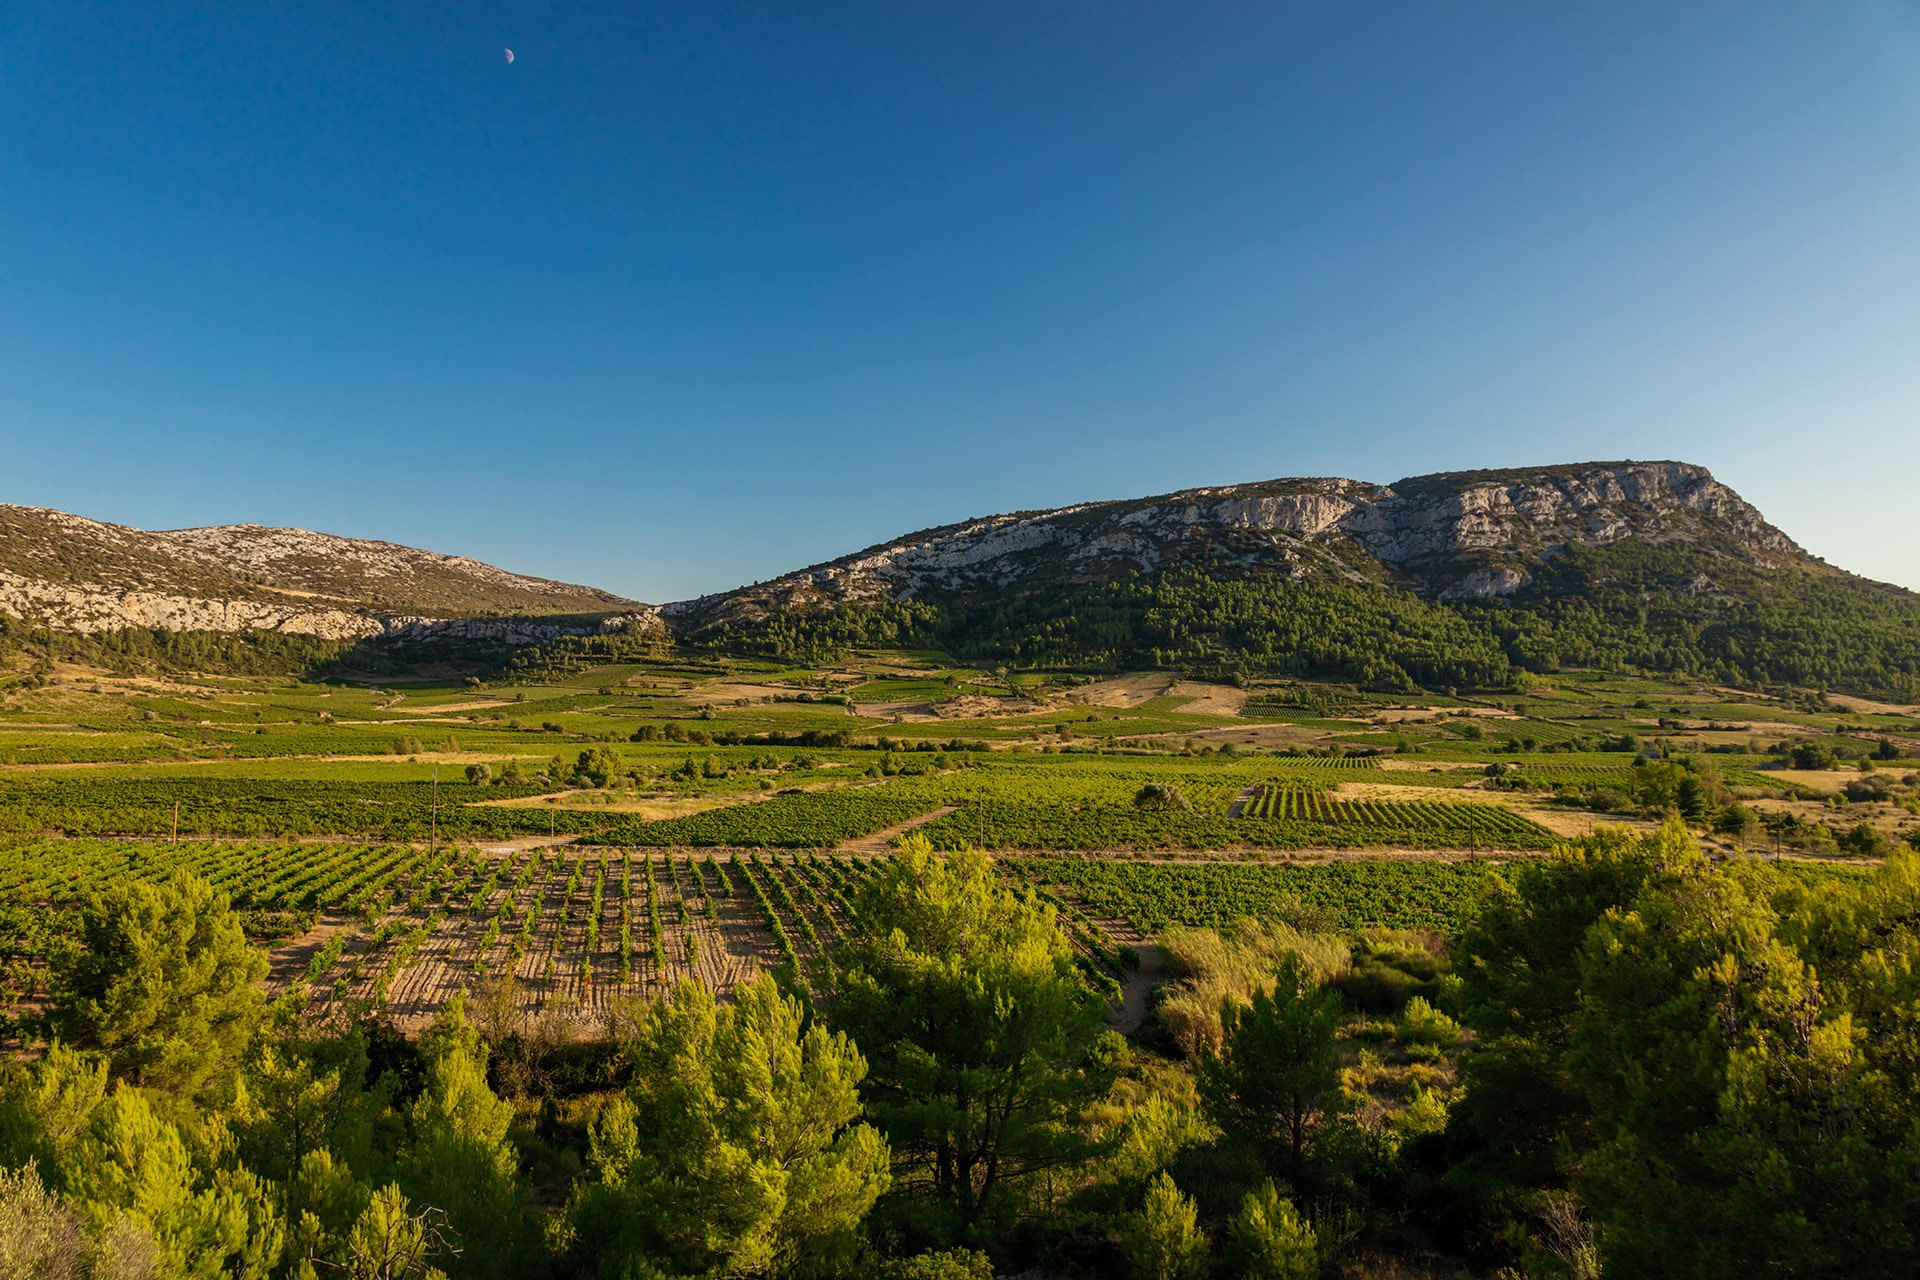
1635,1061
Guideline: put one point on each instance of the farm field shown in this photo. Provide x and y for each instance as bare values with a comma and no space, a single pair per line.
736,753
564,856
591,836
572,932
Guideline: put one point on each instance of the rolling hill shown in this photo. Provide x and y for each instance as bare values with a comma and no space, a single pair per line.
1455,579
69,574
1459,578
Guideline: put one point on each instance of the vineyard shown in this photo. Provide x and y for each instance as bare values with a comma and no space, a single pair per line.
1291,814
250,808
1432,894
1421,821
1587,774
1015,803
395,925
1342,763
577,929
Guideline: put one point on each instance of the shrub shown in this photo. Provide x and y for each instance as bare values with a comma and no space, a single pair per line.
1374,986
1216,968
1163,1241
1811,755
1269,1240
948,1264
598,766
1160,795
1870,788
1865,841
1422,1024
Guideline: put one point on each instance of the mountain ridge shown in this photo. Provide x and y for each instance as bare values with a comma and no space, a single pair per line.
70,573
1451,579
1449,535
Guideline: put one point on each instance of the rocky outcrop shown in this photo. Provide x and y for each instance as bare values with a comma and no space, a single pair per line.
1455,536
68,573
1459,535
89,610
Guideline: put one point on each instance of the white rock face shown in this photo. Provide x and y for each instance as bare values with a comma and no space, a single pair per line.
68,573
90,610
1460,536
1482,583
256,547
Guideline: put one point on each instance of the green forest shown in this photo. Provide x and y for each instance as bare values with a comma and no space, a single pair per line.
1671,610
1628,1057
1674,611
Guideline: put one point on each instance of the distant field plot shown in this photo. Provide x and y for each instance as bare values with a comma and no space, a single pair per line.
1422,823
812,820
903,689
1756,778
255,808
405,930
229,807
1090,809
402,929
1346,763
1618,773
1433,894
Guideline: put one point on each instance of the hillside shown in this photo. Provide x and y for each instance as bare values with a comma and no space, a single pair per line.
1458,535
70,574
1457,578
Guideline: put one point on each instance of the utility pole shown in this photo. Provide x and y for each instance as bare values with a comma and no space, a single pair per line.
433,820
176,822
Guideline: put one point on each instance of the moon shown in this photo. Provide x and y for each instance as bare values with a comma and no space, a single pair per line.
509,55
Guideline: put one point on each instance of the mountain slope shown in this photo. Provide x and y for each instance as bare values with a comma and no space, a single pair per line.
1455,578
71,574
1461,535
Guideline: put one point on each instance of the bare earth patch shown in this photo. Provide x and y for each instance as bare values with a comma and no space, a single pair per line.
1210,699
1125,691
915,712
1866,706
646,808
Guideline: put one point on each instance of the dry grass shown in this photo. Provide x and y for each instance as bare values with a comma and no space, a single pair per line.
1216,967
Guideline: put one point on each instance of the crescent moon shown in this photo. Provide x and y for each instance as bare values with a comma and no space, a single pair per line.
509,55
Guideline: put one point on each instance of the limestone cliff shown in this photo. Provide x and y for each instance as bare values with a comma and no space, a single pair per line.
1452,536
68,573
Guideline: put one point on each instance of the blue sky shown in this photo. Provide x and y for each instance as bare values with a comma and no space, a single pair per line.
690,295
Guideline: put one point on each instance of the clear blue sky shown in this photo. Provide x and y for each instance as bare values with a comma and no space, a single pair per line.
689,295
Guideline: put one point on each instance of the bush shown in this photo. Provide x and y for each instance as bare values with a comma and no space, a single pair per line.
1422,1024
948,1264
1865,841
1163,1241
1376,987
1811,755
598,766
1269,1240
1870,788
1160,795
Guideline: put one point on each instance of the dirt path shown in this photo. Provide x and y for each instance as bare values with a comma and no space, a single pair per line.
1136,989
1239,805
288,961
880,841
